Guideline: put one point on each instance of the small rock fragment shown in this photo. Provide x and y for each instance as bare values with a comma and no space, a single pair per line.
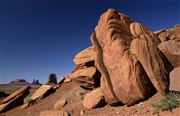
59,104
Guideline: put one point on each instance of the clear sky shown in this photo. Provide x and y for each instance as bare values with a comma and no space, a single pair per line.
39,37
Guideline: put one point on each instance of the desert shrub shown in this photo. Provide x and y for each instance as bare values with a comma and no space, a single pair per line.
28,99
169,102
80,92
1,90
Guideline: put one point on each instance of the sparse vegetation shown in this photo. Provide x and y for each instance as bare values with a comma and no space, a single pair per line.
28,99
1,90
169,102
80,92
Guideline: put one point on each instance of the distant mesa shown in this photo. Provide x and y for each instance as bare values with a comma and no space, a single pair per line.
19,81
24,82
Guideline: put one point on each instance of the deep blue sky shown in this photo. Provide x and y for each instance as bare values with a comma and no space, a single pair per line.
39,37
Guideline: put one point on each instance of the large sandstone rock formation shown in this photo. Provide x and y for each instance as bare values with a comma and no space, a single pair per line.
156,65
14,99
129,60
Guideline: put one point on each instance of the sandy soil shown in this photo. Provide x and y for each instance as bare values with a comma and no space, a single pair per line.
74,105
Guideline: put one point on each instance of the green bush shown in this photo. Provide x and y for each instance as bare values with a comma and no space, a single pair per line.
1,90
169,102
28,99
80,92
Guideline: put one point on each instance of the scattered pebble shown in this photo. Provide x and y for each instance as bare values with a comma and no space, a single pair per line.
81,112
140,104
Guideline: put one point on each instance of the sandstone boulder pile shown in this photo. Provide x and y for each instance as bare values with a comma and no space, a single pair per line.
170,44
14,99
169,34
86,72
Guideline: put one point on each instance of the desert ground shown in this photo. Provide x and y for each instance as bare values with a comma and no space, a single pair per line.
74,95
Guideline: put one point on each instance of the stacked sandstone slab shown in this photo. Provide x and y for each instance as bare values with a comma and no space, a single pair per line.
127,55
85,72
42,92
14,99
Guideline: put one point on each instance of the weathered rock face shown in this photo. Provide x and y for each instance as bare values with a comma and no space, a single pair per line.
52,79
169,34
171,49
175,79
156,65
94,99
162,35
88,75
171,46
125,75
42,92
85,56
86,72
14,99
